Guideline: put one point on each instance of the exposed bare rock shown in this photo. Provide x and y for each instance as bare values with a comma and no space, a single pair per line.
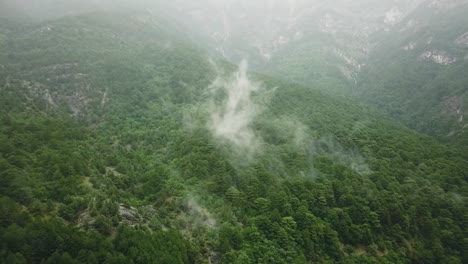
351,68
129,215
85,219
439,57
214,257
462,40
393,16
349,74
104,97
48,98
34,90
77,103
453,105
348,59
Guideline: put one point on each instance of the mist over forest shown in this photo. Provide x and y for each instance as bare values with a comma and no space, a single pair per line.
233,131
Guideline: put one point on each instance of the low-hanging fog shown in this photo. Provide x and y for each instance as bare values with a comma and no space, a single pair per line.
232,119
233,131
238,29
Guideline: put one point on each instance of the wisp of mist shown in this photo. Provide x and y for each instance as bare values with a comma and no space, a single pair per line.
231,120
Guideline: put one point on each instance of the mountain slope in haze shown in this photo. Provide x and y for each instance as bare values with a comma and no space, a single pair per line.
320,44
406,58
122,142
418,71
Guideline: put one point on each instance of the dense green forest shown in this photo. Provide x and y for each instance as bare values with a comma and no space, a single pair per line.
110,153
418,74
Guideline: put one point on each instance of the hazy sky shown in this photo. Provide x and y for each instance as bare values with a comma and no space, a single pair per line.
262,7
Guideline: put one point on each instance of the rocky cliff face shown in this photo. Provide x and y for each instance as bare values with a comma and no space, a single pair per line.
417,70
260,29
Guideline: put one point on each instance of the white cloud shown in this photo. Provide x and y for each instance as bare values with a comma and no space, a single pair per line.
231,120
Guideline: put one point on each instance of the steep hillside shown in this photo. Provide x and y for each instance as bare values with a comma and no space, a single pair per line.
317,43
418,71
406,58
122,142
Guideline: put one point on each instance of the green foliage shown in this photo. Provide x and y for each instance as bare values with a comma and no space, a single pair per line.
424,95
121,167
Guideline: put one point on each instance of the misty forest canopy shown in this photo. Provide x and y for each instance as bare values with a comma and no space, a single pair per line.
233,131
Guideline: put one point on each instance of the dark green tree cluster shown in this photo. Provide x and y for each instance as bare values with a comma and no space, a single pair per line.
120,165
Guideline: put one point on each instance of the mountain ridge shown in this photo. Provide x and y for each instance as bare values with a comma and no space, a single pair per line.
146,170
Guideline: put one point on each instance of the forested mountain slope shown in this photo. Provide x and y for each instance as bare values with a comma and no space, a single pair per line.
322,44
406,58
122,142
417,72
